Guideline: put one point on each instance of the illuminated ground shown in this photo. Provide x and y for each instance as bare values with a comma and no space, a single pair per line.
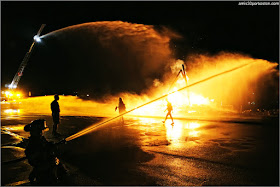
143,151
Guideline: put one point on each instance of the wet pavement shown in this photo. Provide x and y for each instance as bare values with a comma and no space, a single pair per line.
144,151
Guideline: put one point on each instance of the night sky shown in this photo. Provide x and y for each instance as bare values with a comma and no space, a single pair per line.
205,27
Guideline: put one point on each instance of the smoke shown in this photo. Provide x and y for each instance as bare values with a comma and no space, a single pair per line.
253,82
237,88
105,57
134,61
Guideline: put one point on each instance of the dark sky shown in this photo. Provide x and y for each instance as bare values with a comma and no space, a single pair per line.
205,26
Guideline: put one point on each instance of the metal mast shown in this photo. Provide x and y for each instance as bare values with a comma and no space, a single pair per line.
23,64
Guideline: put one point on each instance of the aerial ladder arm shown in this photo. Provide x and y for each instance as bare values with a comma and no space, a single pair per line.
23,64
186,78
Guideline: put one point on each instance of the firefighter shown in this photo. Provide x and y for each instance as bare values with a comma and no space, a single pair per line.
169,109
55,114
121,107
42,156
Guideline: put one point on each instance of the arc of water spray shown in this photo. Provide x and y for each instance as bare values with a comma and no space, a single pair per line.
91,128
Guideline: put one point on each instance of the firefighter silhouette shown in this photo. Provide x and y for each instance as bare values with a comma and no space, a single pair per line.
55,114
42,156
121,107
169,109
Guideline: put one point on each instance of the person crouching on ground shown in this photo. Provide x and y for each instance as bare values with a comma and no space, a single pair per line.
41,155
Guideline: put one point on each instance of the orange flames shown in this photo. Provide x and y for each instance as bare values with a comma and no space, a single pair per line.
226,93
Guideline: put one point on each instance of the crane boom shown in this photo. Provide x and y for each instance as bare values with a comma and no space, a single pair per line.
23,64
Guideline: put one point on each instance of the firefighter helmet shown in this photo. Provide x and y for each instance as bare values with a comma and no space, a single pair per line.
38,124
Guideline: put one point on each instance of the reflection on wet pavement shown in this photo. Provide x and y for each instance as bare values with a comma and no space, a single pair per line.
182,133
145,151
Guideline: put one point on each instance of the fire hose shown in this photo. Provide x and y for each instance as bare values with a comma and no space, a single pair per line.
91,128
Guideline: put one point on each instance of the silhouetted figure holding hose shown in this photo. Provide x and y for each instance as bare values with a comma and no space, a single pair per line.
121,107
55,114
42,156
169,110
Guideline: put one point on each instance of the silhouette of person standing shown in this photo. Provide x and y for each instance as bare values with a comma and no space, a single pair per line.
121,107
55,114
169,109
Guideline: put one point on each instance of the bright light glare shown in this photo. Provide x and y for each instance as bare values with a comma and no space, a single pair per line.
13,94
8,94
12,86
37,38
11,111
192,125
174,133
